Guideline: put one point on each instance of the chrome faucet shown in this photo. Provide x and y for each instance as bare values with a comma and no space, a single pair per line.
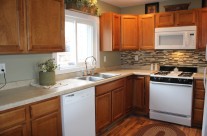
93,65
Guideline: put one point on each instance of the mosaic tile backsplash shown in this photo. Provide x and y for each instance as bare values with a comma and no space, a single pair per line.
165,57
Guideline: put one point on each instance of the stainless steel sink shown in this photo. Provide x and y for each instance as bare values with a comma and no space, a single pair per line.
97,77
105,75
90,78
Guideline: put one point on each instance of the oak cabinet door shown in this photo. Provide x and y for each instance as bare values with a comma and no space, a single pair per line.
129,94
146,31
12,26
19,130
139,93
165,19
110,31
49,125
117,103
103,111
202,28
45,22
129,32
116,32
185,18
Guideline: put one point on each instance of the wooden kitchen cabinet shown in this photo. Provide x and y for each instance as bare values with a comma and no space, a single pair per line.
141,95
103,110
109,103
185,18
37,119
46,118
146,31
129,93
48,125
45,22
110,31
165,19
118,103
177,18
13,122
32,26
129,32
13,28
198,103
202,28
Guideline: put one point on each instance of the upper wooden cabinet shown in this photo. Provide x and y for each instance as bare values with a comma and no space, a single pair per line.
129,32
45,22
177,18
165,19
185,18
12,26
31,26
202,28
146,31
110,31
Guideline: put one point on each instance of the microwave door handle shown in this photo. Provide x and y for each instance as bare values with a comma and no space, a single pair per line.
185,40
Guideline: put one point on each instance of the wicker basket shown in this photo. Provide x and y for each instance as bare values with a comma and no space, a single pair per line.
183,6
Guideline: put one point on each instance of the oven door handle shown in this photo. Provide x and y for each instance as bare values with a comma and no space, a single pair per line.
174,84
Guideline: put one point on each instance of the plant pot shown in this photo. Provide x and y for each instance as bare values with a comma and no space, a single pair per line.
46,78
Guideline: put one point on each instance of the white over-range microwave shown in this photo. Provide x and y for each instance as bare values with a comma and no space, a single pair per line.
175,37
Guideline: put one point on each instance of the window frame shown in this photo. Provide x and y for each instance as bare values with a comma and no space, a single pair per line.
96,42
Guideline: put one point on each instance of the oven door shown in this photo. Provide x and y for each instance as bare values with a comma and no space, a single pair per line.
171,98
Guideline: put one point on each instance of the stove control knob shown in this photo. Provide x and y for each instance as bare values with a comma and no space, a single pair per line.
169,80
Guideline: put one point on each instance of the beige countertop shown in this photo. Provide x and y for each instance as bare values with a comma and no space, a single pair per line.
25,95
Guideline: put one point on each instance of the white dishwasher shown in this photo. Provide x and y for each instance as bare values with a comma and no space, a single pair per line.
78,113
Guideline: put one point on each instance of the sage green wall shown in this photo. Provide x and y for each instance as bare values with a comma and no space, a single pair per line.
112,58
22,67
140,9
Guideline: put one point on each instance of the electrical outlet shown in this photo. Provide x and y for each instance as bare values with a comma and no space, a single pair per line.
136,58
2,66
104,58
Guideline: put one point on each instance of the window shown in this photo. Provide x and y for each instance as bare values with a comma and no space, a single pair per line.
81,41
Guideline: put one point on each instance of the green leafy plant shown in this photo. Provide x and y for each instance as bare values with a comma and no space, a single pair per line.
48,66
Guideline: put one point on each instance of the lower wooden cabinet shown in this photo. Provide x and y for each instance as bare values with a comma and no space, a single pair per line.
38,119
109,103
48,125
198,103
103,110
19,130
141,95
129,93
117,103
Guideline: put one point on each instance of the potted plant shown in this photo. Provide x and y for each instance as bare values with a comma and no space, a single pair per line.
70,4
47,72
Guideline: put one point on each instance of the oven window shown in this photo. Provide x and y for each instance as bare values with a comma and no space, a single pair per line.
171,40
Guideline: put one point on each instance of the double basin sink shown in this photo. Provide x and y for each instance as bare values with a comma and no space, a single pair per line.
97,77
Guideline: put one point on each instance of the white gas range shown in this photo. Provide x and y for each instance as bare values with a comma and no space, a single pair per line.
171,93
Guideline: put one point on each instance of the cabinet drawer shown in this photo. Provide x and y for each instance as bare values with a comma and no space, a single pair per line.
199,84
199,94
12,117
198,104
45,107
102,89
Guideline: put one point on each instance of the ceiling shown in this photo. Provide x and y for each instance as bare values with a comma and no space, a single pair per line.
128,3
